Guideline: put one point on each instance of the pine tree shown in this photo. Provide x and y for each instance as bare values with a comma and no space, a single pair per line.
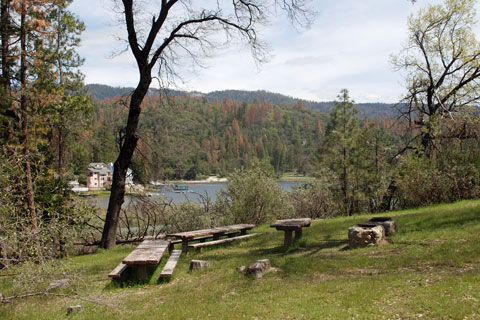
339,147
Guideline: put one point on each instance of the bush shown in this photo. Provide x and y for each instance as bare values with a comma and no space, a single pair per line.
313,200
187,216
57,221
425,181
252,196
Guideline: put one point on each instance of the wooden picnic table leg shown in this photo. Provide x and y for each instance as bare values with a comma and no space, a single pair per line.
141,271
184,245
298,233
288,239
217,236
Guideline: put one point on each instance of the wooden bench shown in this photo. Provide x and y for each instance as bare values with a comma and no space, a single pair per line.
171,264
117,272
174,242
216,233
146,254
227,240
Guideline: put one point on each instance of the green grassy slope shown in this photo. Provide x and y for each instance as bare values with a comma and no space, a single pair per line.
431,270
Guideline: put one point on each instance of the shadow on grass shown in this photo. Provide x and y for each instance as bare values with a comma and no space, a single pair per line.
260,251
328,244
132,276
441,221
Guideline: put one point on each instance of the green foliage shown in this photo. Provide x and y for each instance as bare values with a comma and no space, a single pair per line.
188,216
340,146
441,68
252,196
315,199
425,181
39,217
106,148
184,137
59,217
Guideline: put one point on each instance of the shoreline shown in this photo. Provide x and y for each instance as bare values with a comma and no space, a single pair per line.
209,180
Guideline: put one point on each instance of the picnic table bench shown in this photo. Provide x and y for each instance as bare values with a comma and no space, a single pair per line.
147,254
215,233
290,225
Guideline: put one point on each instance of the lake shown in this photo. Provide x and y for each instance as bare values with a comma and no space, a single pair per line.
209,189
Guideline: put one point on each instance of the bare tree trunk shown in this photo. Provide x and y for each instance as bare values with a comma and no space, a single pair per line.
123,161
61,151
5,79
5,34
24,120
345,177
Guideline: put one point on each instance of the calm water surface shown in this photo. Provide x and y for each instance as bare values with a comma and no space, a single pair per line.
195,190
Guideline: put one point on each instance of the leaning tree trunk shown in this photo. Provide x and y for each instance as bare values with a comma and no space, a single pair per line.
123,161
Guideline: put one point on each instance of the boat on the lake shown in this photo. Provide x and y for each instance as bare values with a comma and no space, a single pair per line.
181,188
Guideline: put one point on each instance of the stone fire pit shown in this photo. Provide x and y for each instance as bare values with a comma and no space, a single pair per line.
366,234
388,223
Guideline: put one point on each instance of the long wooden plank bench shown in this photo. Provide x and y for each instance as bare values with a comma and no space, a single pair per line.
216,233
117,272
227,240
171,264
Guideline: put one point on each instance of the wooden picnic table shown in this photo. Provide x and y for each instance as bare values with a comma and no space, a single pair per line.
148,253
215,232
290,225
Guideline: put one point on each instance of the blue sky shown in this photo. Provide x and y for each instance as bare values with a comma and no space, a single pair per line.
348,46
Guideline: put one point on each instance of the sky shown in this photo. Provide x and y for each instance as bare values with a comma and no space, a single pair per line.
349,45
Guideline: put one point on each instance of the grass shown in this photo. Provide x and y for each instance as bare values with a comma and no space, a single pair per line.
430,271
295,177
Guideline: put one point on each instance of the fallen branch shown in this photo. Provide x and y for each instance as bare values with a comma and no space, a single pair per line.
124,241
45,293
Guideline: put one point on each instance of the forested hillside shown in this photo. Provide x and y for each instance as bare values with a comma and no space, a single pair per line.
100,91
184,137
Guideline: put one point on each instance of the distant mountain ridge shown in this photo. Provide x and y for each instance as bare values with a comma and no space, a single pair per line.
377,110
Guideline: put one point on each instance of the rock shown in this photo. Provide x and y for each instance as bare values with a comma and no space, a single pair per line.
72,309
62,283
388,223
258,268
199,265
241,268
362,235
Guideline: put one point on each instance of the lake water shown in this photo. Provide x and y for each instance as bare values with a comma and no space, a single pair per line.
195,190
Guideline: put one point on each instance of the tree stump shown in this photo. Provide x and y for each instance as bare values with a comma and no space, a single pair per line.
72,309
199,265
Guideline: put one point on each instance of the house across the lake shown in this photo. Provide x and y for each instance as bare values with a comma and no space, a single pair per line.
100,176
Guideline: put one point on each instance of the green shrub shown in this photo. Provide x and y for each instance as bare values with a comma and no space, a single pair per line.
313,200
425,181
252,196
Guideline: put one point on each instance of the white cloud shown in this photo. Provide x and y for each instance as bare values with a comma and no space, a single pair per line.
348,46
